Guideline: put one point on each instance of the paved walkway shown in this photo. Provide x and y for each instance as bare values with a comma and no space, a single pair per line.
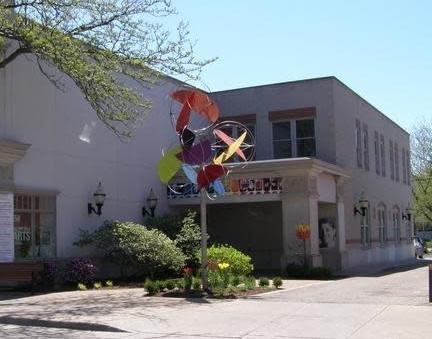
393,304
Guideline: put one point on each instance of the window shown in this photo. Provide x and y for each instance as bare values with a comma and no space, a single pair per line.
282,142
382,223
295,138
391,161
365,230
408,167
383,162
305,138
377,153
404,166
358,143
396,160
34,226
365,147
396,224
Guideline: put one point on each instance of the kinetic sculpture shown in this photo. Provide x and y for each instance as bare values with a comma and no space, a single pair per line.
204,148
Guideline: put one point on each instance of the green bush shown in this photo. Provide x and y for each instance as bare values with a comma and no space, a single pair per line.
161,284
133,246
301,272
196,284
188,240
170,284
263,282
235,280
109,284
277,282
239,263
97,285
180,284
250,283
82,287
152,287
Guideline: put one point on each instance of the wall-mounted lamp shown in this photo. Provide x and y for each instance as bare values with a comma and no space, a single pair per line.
99,199
363,204
407,214
152,201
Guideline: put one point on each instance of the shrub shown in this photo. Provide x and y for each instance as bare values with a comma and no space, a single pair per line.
239,263
152,287
250,283
170,284
299,271
263,282
79,270
214,279
109,284
130,245
196,284
169,224
180,284
97,285
188,240
161,284
82,287
235,280
277,282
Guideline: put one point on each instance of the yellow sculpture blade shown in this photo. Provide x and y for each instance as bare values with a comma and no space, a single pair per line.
229,152
169,164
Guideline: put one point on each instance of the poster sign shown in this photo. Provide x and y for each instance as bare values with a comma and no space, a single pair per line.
6,227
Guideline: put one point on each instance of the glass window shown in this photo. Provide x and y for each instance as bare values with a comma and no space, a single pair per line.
408,167
382,223
282,143
34,226
396,160
403,166
383,162
305,138
391,160
365,148
377,154
358,143
396,224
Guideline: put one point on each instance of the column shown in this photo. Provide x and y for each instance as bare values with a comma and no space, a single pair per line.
341,227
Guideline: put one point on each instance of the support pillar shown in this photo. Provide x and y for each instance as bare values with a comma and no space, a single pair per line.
341,226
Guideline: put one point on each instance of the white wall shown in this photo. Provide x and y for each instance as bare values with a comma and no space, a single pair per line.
33,111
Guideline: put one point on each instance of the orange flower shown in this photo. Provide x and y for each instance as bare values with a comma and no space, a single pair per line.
303,231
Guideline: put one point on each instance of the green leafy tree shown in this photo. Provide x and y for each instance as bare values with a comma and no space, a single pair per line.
100,45
421,148
188,239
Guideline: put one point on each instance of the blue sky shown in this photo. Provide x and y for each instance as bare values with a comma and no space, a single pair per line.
381,49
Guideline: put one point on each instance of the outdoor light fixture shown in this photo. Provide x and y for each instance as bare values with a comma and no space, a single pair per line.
99,199
363,204
152,201
407,214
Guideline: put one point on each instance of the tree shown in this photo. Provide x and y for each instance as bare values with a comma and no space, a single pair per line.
93,42
421,148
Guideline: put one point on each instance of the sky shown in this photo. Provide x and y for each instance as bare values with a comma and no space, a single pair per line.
381,49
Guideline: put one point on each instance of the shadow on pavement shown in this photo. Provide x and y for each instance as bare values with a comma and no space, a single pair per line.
82,326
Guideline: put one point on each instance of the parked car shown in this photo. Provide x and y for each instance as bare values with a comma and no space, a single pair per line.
419,247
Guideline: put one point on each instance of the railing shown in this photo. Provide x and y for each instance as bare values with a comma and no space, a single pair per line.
232,187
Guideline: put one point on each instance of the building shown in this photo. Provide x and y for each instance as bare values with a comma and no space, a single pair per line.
328,152
318,147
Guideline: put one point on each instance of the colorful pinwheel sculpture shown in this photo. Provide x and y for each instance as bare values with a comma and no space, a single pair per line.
205,146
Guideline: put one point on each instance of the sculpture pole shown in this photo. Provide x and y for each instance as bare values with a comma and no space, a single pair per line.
204,261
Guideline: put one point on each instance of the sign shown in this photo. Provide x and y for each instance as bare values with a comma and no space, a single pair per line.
6,227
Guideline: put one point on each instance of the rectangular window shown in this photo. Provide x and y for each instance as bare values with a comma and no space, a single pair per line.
408,167
396,226
396,160
282,142
365,230
382,224
295,138
383,162
391,160
34,226
404,166
358,143
305,138
377,155
365,147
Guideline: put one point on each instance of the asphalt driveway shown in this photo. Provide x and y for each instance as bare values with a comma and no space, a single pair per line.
391,304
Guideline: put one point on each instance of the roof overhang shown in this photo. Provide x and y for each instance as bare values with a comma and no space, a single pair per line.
11,151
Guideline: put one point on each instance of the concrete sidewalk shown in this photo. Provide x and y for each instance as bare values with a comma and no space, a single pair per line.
390,306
